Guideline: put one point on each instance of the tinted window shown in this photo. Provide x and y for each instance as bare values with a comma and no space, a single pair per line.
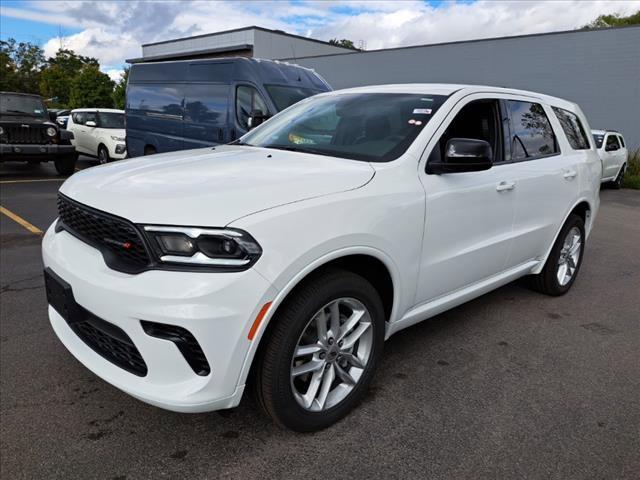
21,105
573,129
111,120
375,127
599,139
78,118
158,99
206,103
284,97
621,140
248,99
612,141
531,132
90,117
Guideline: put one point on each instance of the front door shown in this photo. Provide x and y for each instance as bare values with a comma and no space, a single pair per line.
469,216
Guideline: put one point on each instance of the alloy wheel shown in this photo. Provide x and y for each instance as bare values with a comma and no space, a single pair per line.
569,256
331,354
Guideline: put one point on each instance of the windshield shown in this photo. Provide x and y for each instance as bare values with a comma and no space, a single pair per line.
284,97
374,127
22,105
599,138
111,120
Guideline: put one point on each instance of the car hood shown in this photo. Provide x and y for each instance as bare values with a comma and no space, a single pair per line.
25,119
211,187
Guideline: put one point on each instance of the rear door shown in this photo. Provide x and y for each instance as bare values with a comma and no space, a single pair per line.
79,130
612,157
546,171
90,136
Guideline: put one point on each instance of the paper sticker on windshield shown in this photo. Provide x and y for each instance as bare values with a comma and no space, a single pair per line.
37,111
422,111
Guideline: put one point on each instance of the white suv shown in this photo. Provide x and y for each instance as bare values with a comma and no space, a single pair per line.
287,258
98,132
614,155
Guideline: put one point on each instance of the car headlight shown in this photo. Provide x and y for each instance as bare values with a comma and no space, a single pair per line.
225,248
117,139
1,130
51,131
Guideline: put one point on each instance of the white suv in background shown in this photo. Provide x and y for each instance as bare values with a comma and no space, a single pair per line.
614,155
295,252
98,132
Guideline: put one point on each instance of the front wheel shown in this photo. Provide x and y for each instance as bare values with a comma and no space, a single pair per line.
564,261
66,165
103,155
322,351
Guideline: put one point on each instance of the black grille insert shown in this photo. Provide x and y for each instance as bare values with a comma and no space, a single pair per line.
184,340
27,134
104,338
121,244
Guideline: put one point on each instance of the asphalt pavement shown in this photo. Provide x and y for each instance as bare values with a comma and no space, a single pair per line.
511,385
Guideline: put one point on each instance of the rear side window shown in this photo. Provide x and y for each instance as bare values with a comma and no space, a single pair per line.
573,129
531,132
621,141
166,100
206,103
612,141
248,99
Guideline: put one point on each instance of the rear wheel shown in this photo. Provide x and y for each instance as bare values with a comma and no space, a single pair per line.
103,155
66,165
564,261
322,352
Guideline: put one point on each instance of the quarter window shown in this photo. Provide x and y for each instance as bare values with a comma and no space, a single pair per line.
573,129
621,140
531,132
248,99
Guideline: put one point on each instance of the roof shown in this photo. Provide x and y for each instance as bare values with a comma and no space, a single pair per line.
190,53
602,132
104,110
252,27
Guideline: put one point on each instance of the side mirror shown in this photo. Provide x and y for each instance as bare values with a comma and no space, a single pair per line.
256,117
90,123
611,148
53,116
464,155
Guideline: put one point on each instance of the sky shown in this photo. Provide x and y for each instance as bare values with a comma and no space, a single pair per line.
113,31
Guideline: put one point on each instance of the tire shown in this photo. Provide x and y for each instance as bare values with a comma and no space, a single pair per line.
617,183
149,150
103,155
548,280
66,165
275,385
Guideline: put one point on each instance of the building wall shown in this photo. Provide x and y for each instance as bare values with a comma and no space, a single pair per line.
274,46
597,69
204,42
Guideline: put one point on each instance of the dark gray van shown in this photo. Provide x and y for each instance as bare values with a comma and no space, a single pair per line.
197,103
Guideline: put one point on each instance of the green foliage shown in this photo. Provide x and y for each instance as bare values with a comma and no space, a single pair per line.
119,93
346,43
57,76
632,175
614,20
91,88
20,66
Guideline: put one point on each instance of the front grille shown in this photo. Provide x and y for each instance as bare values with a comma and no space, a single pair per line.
184,340
118,239
26,134
110,342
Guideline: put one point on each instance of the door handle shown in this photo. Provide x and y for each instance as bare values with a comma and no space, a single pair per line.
569,174
505,186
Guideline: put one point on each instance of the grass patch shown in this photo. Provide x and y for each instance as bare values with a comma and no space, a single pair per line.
632,175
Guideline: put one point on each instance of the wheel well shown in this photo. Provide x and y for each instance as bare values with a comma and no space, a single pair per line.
583,210
102,145
149,149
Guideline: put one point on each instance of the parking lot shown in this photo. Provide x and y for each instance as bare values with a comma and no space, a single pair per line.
510,385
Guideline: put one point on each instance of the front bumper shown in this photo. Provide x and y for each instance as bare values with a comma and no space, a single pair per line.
32,152
217,308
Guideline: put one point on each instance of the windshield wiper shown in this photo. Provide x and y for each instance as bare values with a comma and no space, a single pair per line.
19,112
292,148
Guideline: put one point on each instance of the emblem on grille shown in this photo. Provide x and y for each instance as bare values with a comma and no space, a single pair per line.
125,245
24,125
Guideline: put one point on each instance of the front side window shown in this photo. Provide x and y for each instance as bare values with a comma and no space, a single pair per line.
91,117
78,118
283,97
373,127
111,120
573,129
247,100
531,132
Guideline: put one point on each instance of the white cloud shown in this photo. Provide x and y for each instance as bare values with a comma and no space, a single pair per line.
113,30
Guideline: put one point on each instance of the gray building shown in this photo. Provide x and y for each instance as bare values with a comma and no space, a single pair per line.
598,69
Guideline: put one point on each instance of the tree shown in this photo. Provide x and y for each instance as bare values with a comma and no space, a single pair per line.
345,43
614,20
119,92
20,65
56,78
91,88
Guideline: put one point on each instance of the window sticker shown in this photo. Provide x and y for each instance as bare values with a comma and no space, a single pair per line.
298,140
422,111
37,111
